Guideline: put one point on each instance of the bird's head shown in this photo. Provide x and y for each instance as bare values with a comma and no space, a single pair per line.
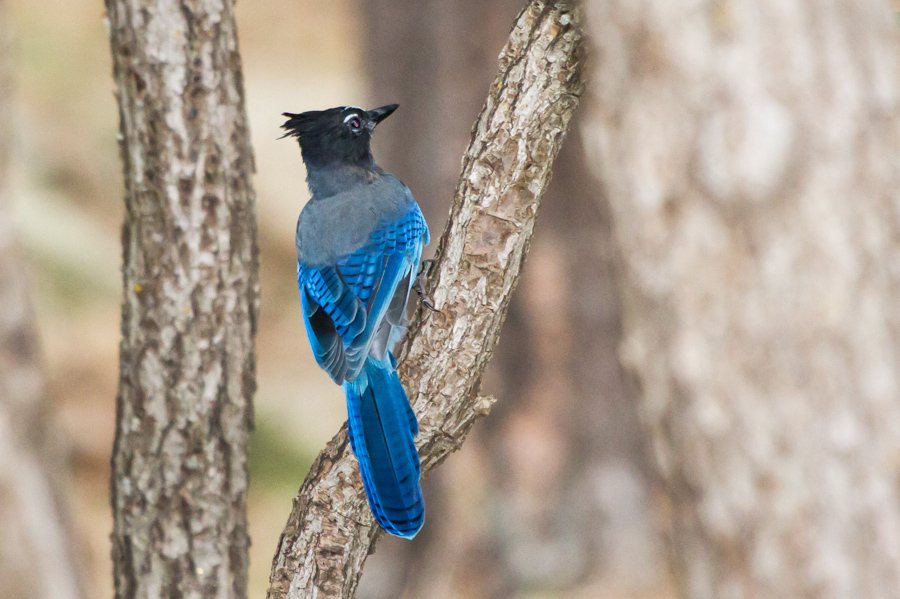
336,135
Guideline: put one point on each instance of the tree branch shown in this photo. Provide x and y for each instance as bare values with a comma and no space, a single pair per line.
505,171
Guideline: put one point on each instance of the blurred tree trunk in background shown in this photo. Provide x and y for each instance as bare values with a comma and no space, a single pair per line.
38,558
751,155
191,301
551,490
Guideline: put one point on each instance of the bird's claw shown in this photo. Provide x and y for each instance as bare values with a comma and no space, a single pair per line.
426,302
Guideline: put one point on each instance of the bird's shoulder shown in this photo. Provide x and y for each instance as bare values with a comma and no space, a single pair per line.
332,228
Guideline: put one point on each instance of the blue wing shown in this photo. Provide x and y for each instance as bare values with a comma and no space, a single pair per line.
356,307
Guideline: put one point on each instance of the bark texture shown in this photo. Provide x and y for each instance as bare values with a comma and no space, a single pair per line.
38,556
505,171
751,154
179,468
562,456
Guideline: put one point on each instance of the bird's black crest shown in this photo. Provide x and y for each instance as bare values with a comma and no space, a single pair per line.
299,125
296,124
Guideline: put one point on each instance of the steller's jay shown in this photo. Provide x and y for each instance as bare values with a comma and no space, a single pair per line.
359,242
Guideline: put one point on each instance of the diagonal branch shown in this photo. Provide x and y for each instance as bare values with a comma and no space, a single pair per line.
505,172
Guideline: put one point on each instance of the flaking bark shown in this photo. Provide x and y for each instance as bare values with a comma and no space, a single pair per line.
505,170
191,298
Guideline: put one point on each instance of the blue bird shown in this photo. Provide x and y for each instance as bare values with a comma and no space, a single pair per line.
359,243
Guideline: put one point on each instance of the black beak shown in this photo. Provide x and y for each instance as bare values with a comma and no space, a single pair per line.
377,115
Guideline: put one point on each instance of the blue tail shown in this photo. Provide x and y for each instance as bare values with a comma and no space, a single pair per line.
382,428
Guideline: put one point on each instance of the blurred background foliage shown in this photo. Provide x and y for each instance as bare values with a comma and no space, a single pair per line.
551,497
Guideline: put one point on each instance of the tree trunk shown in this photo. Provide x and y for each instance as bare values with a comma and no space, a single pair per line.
556,368
505,171
38,557
179,466
750,152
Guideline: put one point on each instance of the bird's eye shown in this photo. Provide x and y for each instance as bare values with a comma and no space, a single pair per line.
355,124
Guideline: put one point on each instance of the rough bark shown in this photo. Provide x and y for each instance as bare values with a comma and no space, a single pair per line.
38,555
505,171
751,154
191,298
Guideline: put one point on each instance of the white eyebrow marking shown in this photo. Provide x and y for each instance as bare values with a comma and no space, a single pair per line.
352,115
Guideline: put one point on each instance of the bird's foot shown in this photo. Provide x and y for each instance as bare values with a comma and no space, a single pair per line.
419,284
425,267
